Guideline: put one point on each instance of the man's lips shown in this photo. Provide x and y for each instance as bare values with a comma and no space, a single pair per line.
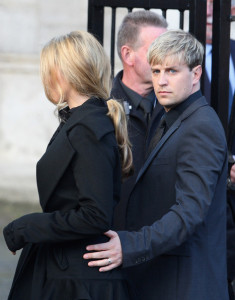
163,92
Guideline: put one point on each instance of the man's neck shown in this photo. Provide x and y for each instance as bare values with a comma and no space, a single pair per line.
143,89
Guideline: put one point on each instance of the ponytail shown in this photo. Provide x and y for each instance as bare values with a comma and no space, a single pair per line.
117,114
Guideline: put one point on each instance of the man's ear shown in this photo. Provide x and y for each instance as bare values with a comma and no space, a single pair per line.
127,55
197,73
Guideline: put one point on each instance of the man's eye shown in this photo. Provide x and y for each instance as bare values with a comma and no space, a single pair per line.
156,71
172,71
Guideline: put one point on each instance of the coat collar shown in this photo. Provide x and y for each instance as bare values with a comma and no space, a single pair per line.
119,93
193,107
52,165
91,115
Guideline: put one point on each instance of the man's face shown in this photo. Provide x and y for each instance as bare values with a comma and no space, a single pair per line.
173,82
209,19
142,68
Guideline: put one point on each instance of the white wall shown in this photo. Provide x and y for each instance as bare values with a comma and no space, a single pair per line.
27,119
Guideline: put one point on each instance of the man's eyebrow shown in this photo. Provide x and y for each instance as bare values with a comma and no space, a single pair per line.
167,67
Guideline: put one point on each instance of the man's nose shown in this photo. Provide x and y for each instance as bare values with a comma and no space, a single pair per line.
162,78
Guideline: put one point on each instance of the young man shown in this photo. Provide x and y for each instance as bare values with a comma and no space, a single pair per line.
133,86
176,216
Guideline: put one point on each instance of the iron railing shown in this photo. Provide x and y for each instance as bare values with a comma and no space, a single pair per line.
197,26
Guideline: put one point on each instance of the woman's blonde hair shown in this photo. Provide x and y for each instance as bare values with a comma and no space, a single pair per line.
82,62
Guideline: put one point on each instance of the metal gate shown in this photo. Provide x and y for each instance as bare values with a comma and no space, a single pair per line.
195,11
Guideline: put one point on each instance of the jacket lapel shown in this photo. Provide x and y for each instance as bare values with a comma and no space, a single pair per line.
160,144
53,164
194,106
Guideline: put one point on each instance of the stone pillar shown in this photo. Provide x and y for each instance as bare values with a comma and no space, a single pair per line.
27,118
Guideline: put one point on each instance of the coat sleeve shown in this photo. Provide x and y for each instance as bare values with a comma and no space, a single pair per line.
201,164
93,168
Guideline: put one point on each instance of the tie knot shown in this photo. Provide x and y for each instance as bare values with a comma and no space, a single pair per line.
146,105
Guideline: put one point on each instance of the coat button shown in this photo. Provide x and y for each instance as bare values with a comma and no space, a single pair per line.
138,261
143,259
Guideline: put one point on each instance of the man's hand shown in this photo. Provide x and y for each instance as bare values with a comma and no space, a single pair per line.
232,174
108,255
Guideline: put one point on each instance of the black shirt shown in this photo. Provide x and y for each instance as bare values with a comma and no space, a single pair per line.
172,115
136,98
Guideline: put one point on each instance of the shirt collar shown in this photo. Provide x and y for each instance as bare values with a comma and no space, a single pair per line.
176,111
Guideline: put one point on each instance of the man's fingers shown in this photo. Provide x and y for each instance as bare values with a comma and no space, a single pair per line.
105,265
98,247
107,268
110,234
108,255
100,263
96,255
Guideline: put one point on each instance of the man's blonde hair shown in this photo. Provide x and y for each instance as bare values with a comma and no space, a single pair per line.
176,43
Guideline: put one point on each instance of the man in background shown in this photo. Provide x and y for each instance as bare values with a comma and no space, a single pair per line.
133,86
208,56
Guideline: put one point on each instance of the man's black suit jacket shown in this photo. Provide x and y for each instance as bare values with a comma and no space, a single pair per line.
180,194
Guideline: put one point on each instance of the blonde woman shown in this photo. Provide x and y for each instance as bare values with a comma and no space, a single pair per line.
78,178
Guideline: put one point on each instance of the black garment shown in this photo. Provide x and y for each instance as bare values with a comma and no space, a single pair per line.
79,180
140,134
147,107
169,118
158,135
175,112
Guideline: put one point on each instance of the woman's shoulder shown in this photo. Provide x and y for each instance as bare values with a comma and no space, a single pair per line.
91,116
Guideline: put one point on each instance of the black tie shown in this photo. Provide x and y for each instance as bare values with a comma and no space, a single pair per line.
158,135
147,107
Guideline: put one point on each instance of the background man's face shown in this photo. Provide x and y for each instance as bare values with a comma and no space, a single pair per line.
209,20
142,68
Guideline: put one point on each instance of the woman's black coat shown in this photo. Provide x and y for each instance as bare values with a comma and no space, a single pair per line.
78,181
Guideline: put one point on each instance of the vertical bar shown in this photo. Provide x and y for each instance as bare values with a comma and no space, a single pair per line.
95,23
197,26
164,13
220,59
181,19
198,19
113,27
